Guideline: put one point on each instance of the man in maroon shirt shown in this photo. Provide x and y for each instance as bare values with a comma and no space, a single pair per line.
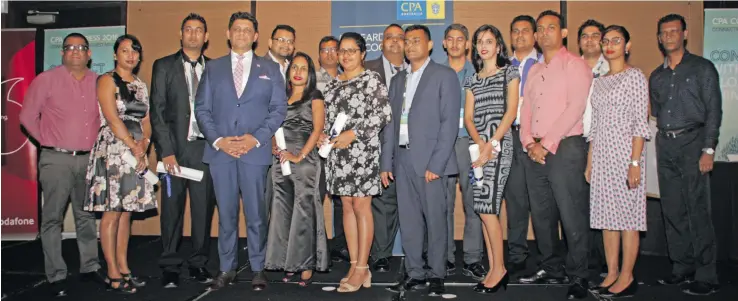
61,112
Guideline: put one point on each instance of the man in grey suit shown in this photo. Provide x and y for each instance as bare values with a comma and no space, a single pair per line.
418,147
384,206
240,104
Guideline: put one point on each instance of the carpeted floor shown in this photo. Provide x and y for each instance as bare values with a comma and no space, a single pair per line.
23,279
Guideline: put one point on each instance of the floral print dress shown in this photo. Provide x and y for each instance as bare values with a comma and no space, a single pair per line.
114,185
354,171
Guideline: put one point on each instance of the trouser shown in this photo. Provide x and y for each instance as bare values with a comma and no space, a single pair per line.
560,184
202,205
473,241
63,176
517,203
384,209
685,205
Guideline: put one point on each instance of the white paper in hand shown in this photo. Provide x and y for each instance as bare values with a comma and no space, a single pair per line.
148,175
478,171
282,145
336,130
185,172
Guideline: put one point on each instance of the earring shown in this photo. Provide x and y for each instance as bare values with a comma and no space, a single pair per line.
626,52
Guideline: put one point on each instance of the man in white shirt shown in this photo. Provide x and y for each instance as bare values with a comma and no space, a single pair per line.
282,47
328,59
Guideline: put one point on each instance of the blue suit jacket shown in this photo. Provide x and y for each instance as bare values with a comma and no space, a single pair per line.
259,111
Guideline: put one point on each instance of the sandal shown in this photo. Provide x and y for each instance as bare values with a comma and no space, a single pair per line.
123,286
133,280
306,282
289,277
349,288
343,280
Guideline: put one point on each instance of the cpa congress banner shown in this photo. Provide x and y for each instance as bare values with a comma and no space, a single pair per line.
101,44
19,173
369,18
721,30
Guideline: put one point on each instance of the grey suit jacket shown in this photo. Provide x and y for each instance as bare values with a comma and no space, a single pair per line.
433,122
377,65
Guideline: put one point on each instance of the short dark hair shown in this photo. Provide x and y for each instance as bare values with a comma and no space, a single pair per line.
523,18
310,86
669,18
588,23
419,27
392,25
360,41
502,57
622,31
242,15
326,39
549,12
76,35
459,27
196,17
284,27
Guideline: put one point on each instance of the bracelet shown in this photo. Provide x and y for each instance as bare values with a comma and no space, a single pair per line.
302,156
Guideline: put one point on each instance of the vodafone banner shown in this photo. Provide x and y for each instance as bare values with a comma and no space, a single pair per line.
19,200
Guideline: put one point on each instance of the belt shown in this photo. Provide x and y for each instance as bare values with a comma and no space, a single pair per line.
677,133
61,150
516,127
537,140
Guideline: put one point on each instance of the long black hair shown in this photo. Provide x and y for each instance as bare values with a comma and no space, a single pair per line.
502,57
311,91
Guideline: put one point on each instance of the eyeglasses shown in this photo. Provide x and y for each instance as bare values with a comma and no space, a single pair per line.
349,51
328,50
413,41
285,41
72,48
613,41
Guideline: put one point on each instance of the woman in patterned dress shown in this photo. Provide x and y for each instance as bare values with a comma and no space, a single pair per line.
115,187
352,167
616,161
490,109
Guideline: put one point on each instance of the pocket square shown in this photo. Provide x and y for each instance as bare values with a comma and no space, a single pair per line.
264,77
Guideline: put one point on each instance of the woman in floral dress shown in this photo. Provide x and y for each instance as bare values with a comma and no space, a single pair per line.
352,167
616,162
115,187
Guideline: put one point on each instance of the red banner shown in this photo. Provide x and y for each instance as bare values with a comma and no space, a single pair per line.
19,173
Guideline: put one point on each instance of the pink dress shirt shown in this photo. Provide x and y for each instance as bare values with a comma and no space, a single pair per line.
555,99
61,111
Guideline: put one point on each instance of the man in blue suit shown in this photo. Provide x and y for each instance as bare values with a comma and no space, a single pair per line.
240,104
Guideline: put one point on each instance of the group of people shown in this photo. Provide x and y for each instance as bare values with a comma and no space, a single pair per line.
556,135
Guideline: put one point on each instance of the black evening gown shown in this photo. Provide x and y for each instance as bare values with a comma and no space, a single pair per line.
297,239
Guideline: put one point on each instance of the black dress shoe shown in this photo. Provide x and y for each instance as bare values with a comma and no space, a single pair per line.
625,293
94,277
59,288
475,270
450,268
222,280
259,282
381,265
407,284
578,288
436,287
541,277
677,279
340,255
515,267
699,288
170,279
201,275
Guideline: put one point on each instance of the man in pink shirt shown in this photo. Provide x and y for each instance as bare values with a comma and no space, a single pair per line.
61,112
551,133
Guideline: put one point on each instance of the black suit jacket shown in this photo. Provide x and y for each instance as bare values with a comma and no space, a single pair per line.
170,105
377,65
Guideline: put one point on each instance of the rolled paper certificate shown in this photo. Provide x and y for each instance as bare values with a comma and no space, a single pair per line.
147,174
185,172
478,171
282,145
335,131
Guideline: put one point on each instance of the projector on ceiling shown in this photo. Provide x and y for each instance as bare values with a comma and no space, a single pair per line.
41,18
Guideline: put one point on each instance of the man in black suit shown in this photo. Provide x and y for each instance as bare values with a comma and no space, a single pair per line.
178,141
384,206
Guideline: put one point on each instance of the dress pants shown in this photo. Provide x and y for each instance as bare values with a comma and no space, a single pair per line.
560,184
473,240
63,176
517,203
422,205
685,204
202,205
384,209
230,178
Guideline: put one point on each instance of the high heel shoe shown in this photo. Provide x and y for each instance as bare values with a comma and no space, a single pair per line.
343,280
306,282
289,277
627,292
480,288
133,280
349,288
124,287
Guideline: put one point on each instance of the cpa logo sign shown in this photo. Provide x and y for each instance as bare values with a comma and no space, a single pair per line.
420,10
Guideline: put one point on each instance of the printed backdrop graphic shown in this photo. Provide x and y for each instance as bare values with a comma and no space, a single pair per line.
721,30
101,44
19,180
369,18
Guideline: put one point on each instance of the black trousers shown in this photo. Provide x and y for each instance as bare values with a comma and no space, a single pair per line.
202,206
558,189
685,205
517,204
384,209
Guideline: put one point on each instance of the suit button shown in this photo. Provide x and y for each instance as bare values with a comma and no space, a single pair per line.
188,115
238,105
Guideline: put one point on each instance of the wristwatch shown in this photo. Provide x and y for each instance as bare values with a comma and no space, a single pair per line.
709,151
635,163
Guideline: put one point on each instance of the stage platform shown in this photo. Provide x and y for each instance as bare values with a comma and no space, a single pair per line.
23,279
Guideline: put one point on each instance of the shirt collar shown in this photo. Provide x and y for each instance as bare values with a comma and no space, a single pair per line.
323,71
247,56
666,58
532,55
467,65
558,56
602,66
387,63
422,68
186,59
286,61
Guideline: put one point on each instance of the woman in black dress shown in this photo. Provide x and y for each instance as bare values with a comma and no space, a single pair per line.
297,241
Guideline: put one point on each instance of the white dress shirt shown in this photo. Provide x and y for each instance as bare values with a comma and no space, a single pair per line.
412,81
601,68
249,57
389,70
188,75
